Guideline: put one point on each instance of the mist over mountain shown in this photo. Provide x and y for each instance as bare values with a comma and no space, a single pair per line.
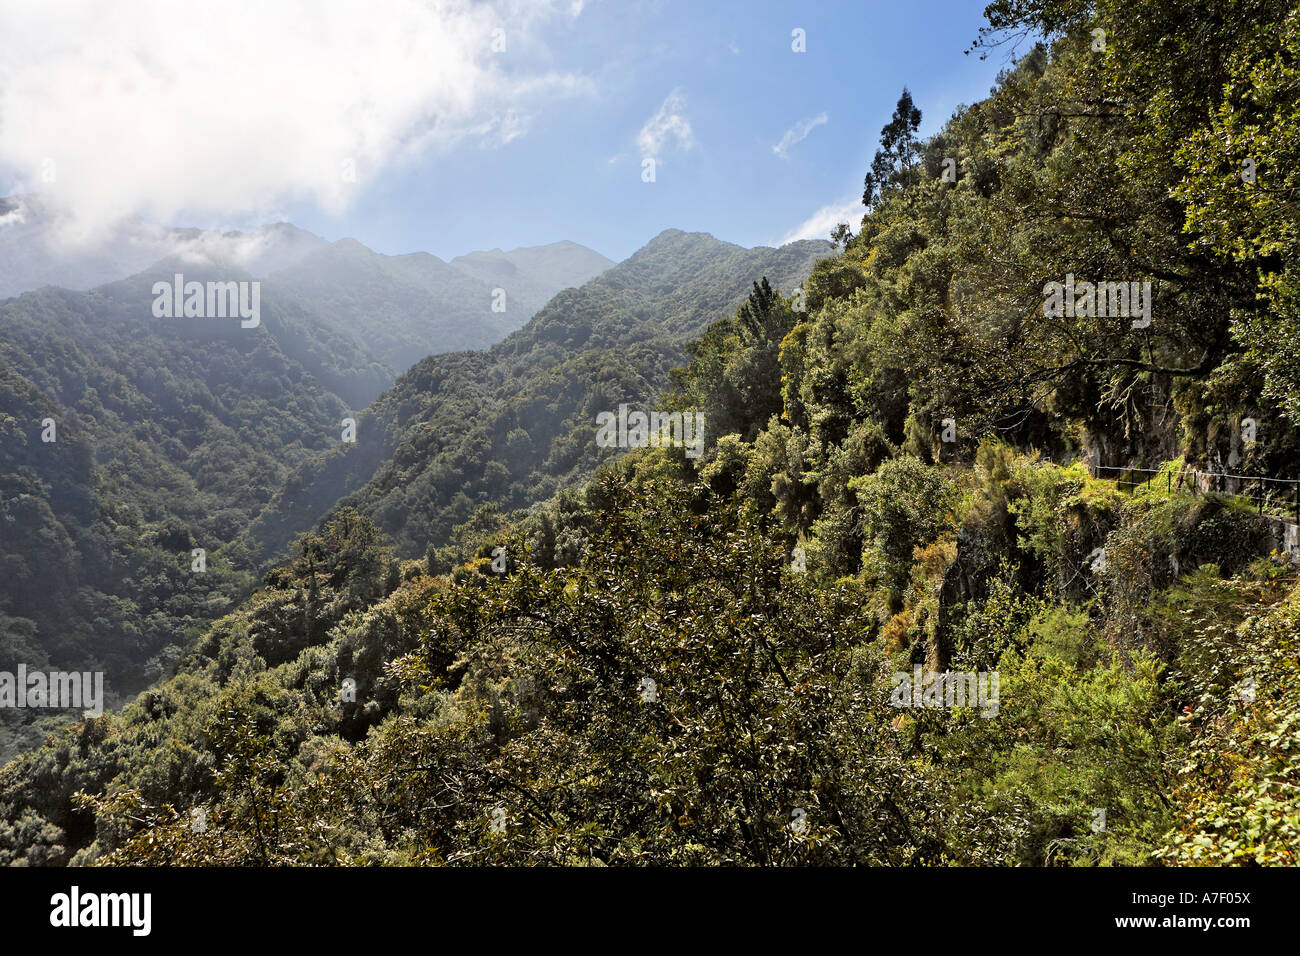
409,306
535,272
174,434
42,245
510,426
398,308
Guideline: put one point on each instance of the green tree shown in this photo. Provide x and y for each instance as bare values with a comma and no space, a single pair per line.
894,164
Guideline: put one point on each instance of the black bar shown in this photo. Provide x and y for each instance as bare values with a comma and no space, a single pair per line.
293,906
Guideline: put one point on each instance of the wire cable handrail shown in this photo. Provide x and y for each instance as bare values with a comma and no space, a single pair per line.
1189,476
1196,471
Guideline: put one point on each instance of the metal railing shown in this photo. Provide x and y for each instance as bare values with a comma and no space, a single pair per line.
1277,496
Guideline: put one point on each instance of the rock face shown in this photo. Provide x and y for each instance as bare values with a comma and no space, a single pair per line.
980,553
1284,535
1211,530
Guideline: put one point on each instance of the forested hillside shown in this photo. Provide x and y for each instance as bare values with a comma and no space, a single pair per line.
534,274
697,660
404,308
168,436
469,435
173,434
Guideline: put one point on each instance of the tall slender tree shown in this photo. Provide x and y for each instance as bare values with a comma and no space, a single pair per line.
897,162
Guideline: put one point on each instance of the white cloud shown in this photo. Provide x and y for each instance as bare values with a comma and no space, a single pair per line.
668,123
798,133
158,106
820,223
15,216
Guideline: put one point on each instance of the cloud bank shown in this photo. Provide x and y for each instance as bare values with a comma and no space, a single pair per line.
158,106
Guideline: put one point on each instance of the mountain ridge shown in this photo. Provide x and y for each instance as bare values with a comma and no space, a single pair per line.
425,304
188,432
423,447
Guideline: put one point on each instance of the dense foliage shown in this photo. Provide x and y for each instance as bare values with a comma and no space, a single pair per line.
511,426
172,435
166,437
696,660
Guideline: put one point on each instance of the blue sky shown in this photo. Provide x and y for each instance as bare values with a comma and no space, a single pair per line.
239,114
576,173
